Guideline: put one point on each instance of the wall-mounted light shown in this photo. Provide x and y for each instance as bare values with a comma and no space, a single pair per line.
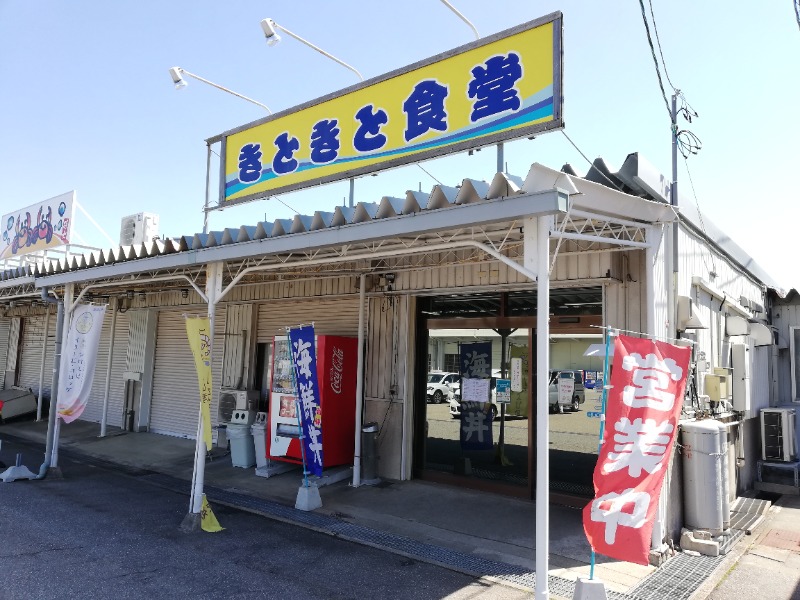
270,29
177,78
129,294
184,293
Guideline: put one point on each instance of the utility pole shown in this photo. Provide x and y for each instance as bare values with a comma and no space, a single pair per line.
675,224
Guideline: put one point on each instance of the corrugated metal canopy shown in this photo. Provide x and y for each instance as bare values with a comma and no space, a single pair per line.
635,192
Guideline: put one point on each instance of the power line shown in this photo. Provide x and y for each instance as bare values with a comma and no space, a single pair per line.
428,174
700,215
655,60
660,52
797,11
574,145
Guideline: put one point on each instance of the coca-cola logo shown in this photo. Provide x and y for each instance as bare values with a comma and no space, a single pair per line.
337,367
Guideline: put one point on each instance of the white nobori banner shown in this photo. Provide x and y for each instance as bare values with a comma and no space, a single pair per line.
78,360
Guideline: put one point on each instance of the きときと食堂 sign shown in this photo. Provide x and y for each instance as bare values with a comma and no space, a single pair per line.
502,87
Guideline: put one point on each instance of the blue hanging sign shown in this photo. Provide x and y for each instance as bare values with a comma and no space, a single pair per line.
476,415
476,360
304,359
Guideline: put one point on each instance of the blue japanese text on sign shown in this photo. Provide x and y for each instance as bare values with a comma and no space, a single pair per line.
475,362
304,359
504,86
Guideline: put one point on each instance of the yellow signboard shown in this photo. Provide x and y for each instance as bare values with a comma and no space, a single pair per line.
502,87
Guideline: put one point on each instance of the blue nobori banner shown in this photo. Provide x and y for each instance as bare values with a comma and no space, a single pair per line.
304,360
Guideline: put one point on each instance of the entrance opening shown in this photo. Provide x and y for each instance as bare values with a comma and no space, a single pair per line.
469,429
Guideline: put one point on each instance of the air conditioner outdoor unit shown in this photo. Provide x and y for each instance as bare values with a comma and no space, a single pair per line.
138,228
236,400
233,402
778,434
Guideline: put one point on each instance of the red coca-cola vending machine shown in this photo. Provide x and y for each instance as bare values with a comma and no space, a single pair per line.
337,358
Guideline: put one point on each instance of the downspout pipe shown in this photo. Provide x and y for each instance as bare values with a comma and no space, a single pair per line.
53,412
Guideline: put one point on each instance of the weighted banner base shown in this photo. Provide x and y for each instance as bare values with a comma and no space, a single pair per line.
308,498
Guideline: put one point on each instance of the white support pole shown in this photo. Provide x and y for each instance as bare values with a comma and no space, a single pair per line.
213,289
359,382
41,367
542,405
69,294
93,222
109,363
657,534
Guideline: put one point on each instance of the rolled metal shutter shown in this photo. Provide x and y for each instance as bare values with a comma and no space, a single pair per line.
30,360
5,327
94,407
330,317
176,399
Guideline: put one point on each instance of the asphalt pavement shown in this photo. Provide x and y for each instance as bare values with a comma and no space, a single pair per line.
100,534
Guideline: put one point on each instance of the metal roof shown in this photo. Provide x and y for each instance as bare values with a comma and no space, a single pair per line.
642,199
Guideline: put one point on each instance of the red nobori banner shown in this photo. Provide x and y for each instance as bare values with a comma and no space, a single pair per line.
648,380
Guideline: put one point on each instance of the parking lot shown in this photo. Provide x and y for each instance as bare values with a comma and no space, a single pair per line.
573,440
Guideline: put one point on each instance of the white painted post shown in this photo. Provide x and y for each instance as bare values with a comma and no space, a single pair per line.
69,295
542,406
657,534
104,418
359,382
213,290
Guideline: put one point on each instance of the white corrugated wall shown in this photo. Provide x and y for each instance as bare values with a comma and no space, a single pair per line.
176,400
330,317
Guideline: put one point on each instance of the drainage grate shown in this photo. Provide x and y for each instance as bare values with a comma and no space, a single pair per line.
458,561
572,488
677,579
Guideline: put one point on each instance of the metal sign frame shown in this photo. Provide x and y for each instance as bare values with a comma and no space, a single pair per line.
411,156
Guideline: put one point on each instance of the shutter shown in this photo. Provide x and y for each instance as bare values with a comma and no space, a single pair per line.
330,317
30,360
94,407
5,328
176,398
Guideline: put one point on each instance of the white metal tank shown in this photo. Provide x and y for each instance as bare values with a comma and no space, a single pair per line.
705,475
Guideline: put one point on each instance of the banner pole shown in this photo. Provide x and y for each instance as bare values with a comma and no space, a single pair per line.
69,295
297,408
603,399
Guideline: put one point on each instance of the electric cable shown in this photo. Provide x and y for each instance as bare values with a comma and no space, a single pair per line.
660,52
655,60
797,11
614,185
700,215
297,212
428,174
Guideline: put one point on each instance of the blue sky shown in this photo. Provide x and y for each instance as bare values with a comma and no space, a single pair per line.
87,102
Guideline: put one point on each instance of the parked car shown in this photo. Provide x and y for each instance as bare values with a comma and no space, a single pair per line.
455,400
578,393
439,388
16,402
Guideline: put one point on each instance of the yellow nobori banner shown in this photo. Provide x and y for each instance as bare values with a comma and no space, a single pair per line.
502,87
198,332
